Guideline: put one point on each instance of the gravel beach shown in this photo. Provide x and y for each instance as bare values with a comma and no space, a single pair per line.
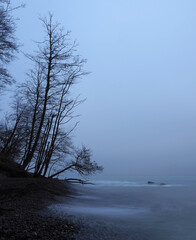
22,201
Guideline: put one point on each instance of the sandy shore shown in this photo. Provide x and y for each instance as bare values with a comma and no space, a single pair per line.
22,201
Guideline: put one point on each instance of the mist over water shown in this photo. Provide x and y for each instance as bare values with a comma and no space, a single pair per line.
139,117
134,209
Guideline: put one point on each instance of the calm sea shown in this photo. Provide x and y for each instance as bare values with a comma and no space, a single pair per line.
132,209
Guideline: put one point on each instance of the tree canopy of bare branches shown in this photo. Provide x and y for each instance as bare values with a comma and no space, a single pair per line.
45,108
8,43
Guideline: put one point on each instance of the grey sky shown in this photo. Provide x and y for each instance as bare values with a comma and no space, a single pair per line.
140,113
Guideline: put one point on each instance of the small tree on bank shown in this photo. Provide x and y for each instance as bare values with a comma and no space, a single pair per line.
45,107
8,43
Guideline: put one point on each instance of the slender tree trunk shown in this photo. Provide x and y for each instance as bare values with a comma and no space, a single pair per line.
43,148
12,133
31,153
54,135
32,125
63,170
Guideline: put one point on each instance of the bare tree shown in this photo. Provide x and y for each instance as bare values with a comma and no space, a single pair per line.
8,43
12,133
57,68
48,107
82,164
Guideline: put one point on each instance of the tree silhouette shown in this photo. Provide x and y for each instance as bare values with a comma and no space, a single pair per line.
8,43
45,107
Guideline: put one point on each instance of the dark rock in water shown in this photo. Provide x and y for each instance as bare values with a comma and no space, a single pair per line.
150,182
163,184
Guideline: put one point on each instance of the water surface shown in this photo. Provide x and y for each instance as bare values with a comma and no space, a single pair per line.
134,209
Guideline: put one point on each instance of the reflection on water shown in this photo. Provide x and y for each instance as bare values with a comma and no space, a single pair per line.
134,210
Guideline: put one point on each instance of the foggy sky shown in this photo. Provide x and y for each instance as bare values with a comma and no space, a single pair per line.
140,114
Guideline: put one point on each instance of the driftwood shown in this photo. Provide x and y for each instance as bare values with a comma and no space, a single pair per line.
76,180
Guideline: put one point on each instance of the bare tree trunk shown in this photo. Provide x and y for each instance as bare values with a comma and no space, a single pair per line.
11,137
33,121
63,170
43,149
13,131
31,153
